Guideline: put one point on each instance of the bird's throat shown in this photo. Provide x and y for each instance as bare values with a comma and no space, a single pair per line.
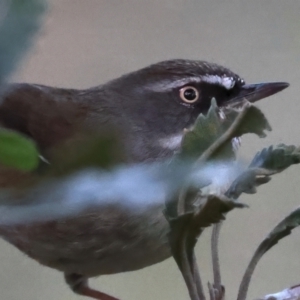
172,142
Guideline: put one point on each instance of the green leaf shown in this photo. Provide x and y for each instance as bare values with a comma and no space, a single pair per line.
253,121
276,158
212,134
17,151
281,230
248,181
267,162
206,129
211,210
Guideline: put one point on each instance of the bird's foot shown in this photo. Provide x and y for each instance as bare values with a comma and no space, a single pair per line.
79,285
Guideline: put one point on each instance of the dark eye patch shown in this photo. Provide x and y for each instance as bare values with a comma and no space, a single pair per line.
216,91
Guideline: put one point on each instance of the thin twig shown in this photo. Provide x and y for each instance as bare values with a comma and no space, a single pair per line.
186,269
211,291
243,289
197,278
181,202
215,255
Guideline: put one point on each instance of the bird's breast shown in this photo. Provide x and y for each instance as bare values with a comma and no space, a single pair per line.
107,241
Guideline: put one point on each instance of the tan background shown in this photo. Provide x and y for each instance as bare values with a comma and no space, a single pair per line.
84,43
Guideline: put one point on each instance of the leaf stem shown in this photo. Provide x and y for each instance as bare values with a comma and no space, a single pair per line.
197,278
215,255
186,269
211,291
244,286
181,202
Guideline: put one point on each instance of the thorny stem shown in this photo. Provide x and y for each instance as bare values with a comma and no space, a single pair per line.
215,255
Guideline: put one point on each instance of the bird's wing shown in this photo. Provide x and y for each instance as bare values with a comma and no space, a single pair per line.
47,115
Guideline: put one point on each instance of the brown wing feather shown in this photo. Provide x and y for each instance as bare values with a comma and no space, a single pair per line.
47,115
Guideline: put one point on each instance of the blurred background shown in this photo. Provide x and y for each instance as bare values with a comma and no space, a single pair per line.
85,43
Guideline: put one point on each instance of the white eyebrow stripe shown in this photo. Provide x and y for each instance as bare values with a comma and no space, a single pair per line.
227,82
169,85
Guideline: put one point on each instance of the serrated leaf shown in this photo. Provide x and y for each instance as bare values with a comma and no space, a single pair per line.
213,130
267,162
17,151
283,229
254,121
211,211
206,130
20,20
247,182
276,158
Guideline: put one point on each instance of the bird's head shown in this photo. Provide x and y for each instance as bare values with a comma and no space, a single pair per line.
164,98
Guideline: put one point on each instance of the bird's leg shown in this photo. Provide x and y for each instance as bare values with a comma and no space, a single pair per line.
79,285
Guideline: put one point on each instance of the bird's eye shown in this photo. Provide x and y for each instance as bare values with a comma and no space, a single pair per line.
189,94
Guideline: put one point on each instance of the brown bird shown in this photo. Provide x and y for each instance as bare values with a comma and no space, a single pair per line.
150,109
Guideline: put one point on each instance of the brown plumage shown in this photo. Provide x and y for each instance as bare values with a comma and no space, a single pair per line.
149,109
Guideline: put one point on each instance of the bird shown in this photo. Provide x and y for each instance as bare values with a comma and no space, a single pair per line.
150,108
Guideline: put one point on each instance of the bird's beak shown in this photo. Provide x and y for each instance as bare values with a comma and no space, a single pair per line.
255,92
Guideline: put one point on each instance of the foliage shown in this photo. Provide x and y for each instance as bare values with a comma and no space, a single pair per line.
84,173
211,139
17,151
19,20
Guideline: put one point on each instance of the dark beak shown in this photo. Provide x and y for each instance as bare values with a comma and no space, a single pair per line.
255,92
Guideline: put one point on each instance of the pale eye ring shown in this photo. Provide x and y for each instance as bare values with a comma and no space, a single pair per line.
189,94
